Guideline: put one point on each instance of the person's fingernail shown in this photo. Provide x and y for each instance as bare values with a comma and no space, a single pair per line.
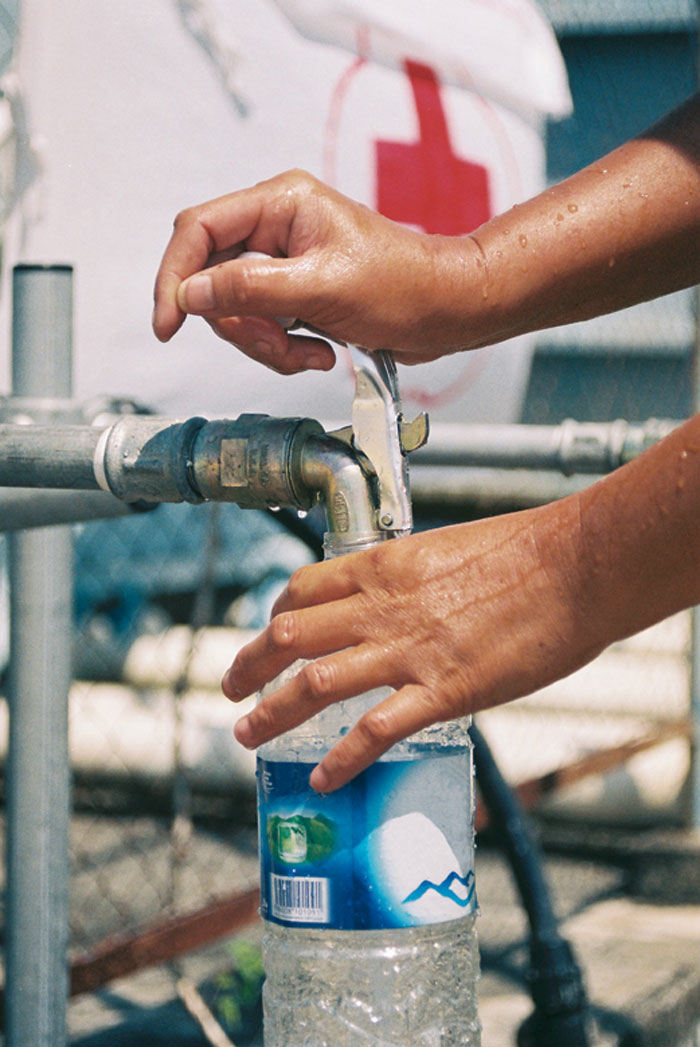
320,779
155,324
228,686
244,733
196,294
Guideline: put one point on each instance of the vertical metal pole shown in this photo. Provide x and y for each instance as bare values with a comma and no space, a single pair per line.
38,775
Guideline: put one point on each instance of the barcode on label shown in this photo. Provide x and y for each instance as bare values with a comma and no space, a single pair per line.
300,898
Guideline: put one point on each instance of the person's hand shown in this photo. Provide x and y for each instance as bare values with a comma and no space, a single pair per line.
335,266
455,620
620,231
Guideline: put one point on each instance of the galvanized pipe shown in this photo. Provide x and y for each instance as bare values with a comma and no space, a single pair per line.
486,492
38,775
256,461
48,456
569,448
29,507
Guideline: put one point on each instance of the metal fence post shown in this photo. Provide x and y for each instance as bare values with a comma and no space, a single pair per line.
38,773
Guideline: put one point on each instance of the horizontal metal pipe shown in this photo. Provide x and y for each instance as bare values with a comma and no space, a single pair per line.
572,447
256,461
48,456
42,410
25,507
488,491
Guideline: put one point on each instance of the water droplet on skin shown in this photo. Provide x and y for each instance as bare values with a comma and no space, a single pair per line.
626,185
560,217
523,240
611,263
643,196
680,484
484,295
572,208
499,254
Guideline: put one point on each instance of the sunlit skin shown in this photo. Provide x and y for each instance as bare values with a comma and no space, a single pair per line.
466,617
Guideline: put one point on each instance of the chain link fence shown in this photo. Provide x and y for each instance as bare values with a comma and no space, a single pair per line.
163,845
163,601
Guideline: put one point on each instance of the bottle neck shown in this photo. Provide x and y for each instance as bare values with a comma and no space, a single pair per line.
336,543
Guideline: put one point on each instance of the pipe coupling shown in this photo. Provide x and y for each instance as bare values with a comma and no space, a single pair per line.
254,461
145,457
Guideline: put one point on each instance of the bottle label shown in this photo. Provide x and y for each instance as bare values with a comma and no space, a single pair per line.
392,848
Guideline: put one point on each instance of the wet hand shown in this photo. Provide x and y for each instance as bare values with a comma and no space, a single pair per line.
453,620
335,265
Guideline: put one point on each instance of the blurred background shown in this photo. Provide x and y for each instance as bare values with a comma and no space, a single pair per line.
113,117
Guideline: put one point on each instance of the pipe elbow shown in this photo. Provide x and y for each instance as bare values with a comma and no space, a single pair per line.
332,469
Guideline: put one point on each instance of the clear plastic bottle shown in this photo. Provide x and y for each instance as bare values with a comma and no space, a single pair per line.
368,893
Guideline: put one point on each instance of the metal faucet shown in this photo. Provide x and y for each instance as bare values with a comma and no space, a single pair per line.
382,436
359,472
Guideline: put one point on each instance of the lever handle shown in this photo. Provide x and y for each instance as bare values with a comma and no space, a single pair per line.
376,424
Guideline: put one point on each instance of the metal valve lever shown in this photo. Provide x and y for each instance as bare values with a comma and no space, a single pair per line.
380,433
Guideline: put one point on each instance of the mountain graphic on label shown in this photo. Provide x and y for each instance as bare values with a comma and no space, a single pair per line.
445,889
414,872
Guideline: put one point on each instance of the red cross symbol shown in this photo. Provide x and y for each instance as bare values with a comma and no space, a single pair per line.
424,183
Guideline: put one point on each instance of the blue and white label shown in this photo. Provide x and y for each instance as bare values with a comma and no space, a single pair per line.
392,848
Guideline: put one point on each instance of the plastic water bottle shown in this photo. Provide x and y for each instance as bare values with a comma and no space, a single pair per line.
367,894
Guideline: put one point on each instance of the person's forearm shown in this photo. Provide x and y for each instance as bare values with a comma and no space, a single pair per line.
624,230
640,537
